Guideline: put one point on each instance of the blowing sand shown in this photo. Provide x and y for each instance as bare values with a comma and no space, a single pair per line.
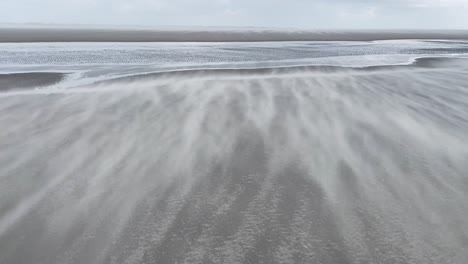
332,164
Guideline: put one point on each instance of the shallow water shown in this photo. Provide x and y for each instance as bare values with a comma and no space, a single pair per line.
291,165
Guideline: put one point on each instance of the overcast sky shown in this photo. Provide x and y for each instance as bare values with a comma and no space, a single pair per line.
309,14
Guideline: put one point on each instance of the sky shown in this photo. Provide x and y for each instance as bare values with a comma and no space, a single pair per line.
304,14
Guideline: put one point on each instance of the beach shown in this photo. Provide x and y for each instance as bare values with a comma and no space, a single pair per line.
296,152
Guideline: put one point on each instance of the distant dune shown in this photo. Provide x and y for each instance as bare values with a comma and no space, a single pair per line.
13,33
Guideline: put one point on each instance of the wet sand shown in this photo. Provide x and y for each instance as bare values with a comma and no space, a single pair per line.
420,63
20,81
76,34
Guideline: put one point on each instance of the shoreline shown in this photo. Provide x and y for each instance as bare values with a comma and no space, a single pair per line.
73,34
19,81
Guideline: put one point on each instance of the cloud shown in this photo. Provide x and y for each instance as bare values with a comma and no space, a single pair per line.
440,3
264,13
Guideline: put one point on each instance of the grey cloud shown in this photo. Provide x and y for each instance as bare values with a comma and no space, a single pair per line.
266,13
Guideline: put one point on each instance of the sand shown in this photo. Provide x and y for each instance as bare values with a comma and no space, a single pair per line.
367,166
303,164
29,80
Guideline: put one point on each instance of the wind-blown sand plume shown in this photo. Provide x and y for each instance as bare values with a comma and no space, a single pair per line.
354,166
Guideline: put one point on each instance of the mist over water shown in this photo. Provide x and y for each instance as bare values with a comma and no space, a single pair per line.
302,165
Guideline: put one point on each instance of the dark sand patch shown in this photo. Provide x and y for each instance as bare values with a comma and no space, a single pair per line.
14,81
